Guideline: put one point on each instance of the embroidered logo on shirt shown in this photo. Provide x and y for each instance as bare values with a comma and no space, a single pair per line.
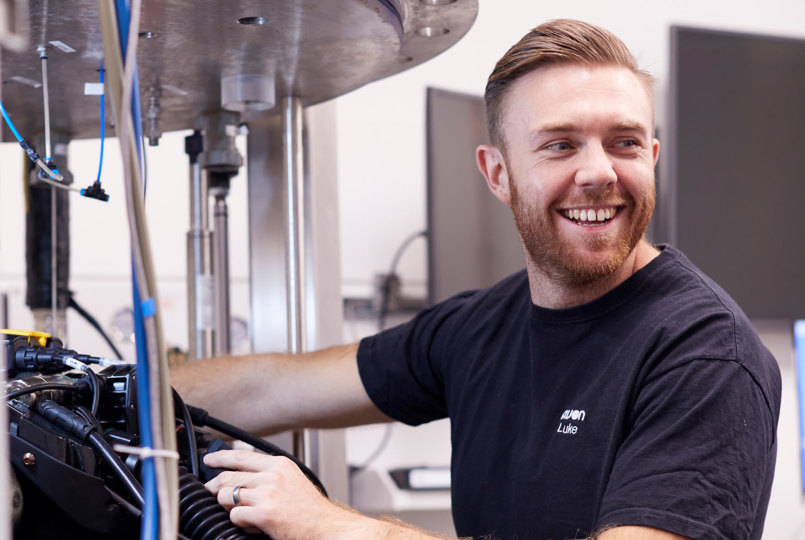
570,421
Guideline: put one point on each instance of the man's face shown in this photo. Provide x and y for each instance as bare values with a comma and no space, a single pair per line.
580,156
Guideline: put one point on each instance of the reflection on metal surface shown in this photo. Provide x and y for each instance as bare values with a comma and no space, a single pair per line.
306,48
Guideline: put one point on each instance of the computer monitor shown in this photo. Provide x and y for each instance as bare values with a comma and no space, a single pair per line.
472,239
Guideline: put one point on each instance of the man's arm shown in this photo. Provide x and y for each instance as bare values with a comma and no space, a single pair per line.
268,393
637,533
276,498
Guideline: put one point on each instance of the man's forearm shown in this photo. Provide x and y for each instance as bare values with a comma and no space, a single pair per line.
356,526
228,388
270,393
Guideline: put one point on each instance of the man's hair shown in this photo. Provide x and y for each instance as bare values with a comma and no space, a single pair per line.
562,41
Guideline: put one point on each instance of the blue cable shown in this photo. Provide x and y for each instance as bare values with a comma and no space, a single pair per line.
149,525
10,123
32,155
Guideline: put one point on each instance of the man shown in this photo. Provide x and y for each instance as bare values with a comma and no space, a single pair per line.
610,390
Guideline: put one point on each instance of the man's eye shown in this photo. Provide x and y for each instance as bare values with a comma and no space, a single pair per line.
628,143
558,146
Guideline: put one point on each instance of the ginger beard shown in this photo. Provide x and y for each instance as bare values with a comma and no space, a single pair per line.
558,259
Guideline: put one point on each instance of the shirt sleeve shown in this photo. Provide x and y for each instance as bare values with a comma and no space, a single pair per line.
698,454
400,373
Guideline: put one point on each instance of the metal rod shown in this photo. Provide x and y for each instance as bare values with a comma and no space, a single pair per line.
294,183
199,265
295,250
46,98
54,262
220,260
53,255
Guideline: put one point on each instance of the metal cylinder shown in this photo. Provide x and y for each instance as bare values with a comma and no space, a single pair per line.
294,177
293,170
200,298
221,272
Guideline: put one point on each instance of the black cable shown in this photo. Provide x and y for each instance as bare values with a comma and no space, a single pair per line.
78,426
95,385
133,510
130,482
91,320
38,387
192,447
202,418
385,297
89,417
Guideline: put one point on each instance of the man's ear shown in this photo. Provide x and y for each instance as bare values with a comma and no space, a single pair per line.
655,146
492,165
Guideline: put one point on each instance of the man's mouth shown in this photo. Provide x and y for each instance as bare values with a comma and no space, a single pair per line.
590,216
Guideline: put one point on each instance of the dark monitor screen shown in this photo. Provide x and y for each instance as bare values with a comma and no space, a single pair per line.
737,164
472,239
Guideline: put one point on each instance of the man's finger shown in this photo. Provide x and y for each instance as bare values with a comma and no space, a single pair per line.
239,460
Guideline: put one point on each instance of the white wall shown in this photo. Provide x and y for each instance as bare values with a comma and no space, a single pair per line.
381,128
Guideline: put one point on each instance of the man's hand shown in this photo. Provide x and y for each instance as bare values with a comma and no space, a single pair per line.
276,498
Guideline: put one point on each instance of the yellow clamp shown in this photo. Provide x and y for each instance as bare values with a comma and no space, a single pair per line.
41,337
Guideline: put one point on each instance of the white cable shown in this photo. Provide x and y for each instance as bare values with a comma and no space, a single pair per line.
161,407
59,184
160,396
145,452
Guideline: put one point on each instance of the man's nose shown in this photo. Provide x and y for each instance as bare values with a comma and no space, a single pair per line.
595,168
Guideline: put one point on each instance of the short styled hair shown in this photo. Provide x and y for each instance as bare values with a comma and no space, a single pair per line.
561,41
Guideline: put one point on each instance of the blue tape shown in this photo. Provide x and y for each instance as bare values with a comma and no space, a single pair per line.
149,307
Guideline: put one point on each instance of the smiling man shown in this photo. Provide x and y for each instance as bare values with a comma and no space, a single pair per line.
609,390
576,165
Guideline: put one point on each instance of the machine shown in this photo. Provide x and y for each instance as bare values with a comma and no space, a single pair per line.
217,68
74,434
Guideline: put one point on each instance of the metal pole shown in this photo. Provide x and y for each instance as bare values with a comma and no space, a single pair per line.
293,172
221,272
200,299
220,161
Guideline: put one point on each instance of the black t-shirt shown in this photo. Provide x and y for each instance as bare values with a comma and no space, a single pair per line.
653,405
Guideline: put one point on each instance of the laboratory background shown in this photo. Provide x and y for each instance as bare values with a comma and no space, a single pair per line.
381,241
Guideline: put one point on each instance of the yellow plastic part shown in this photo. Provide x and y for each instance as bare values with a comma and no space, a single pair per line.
41,337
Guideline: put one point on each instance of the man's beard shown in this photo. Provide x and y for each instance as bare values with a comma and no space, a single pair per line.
556,258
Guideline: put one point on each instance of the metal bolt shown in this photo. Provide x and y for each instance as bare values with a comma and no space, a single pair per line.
28,459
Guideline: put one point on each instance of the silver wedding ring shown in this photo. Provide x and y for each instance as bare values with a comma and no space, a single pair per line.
235,496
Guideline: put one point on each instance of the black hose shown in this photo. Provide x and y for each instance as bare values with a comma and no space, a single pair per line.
79,426
95,324
39,387
192,447
202,418
200,515
125,475
95,384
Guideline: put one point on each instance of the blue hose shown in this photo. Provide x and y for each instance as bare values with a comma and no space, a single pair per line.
10,123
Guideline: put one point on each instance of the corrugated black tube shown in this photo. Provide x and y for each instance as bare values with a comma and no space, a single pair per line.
200,515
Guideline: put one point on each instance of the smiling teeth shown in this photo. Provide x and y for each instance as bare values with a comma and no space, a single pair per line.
602,214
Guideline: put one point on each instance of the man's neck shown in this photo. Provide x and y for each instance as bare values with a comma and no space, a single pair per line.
548,293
